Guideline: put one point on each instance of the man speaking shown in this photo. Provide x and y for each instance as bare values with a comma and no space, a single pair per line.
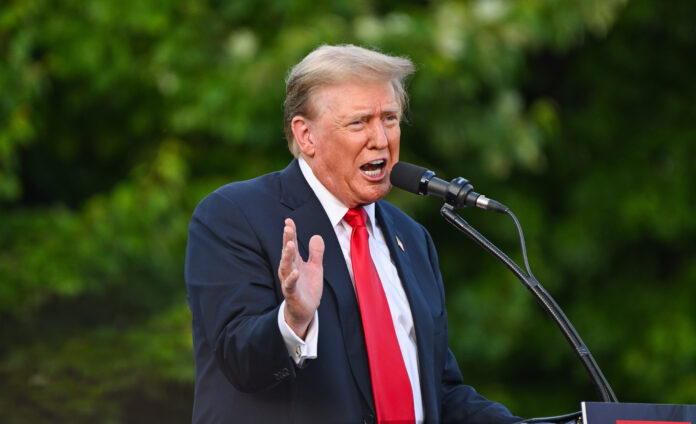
313,300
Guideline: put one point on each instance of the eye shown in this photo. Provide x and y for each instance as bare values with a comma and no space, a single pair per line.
356,125
392,119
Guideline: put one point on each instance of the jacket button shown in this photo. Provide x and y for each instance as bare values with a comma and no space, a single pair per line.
281,374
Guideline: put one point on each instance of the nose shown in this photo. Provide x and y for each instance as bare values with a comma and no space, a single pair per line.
378,135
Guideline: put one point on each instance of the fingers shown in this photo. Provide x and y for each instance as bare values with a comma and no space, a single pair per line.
290,282
289,254
290,260
286,265
316,250
289,232
290,223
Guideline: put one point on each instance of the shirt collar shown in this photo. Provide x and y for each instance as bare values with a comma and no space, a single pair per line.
334,208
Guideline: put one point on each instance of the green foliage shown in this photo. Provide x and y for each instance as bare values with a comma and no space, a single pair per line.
117,117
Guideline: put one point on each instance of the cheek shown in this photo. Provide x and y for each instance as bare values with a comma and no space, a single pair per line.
394,142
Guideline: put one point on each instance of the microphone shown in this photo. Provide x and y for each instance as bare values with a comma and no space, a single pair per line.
457,193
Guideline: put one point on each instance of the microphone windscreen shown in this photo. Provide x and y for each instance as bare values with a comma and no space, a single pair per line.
407,176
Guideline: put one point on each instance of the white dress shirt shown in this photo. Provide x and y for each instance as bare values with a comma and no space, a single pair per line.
301,350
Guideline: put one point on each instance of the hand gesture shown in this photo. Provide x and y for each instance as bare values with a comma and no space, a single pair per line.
302,282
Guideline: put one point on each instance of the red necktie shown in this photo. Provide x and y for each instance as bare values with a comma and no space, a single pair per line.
391,386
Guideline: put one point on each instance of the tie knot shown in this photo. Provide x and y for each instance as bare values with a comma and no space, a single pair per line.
355,217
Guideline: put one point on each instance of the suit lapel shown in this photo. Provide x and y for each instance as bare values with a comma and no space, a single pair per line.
422,318
310,219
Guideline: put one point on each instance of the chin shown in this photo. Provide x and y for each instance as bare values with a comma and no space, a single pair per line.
375,194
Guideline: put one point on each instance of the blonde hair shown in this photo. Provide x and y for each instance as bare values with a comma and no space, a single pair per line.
328,65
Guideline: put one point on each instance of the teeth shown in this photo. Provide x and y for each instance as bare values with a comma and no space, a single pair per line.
373,168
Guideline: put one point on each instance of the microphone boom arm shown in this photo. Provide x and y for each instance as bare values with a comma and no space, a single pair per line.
544,299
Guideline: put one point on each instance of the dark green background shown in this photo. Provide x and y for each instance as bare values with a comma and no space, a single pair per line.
118,116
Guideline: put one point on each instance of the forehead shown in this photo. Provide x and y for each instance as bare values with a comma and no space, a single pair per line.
351,97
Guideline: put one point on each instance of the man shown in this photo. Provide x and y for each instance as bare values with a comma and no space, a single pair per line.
358,331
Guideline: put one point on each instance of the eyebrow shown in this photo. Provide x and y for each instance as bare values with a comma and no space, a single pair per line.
366,112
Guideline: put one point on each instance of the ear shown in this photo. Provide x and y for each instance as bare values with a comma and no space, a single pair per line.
302,131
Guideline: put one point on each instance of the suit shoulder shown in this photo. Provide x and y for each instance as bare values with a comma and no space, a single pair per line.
400,217
243,192
259,186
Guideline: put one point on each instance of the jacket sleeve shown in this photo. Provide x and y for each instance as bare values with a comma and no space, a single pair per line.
461,403
233,295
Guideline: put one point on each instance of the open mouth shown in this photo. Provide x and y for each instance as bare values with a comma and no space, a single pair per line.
374,168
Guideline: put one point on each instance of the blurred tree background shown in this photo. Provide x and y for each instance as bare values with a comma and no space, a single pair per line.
118,116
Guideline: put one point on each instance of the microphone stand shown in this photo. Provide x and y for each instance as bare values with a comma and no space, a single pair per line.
544,299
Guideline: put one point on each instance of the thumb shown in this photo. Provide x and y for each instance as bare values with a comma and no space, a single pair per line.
316,250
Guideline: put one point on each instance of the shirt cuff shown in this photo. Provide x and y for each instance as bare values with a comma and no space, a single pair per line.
298,349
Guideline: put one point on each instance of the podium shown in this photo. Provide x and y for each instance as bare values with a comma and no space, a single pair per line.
637,413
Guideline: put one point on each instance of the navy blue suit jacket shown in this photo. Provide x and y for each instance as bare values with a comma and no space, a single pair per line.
243,371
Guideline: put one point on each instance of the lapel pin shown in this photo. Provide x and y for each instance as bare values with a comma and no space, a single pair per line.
398,242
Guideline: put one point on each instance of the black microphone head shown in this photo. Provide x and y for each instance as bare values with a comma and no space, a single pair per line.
407,176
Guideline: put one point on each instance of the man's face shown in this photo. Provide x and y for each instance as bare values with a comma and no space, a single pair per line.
354,140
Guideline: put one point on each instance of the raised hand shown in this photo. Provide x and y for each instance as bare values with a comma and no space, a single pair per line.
302,282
